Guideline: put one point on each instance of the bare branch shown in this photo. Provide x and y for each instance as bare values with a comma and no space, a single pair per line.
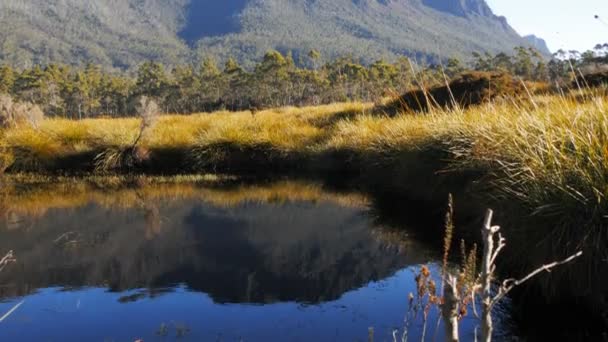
449,309
473,305
501,244
487,274
8,258
487,222
510,284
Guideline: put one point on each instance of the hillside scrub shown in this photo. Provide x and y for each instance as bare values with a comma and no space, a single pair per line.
278,79
467,89
123,34
592,79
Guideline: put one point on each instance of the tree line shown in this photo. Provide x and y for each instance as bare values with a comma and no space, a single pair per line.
275,81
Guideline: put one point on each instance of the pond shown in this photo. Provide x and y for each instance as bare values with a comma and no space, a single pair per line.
285,261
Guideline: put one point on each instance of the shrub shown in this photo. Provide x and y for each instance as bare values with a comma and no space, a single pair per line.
6,159
468,89
593,79
6,111
18,113
133,155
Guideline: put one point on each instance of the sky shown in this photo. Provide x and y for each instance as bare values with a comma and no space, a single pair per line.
564,24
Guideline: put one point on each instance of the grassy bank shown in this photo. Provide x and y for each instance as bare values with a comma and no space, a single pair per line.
551,154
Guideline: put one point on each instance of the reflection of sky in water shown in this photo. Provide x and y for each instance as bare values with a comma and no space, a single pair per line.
94,314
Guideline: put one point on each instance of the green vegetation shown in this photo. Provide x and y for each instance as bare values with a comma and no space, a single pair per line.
274,82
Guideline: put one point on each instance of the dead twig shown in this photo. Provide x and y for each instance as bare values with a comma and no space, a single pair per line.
492,248
7,259
511,283
459,293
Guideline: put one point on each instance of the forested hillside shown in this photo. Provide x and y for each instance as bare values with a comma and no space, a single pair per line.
122,34
274,81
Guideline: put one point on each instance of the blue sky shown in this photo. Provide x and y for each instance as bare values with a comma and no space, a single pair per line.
564,24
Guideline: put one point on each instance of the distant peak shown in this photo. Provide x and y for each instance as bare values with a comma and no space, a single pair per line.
461,8
539,44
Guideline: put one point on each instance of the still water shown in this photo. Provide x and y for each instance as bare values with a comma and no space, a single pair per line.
286,261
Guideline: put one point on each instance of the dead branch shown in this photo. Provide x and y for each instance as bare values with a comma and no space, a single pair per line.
510,284
8,258
490,255
449,309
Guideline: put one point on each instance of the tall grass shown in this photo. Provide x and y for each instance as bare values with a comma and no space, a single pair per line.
549,155
285,129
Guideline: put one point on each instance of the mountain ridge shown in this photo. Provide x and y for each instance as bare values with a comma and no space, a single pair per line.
121,34
538,43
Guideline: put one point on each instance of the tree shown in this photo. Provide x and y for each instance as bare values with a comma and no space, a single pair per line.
28,84
315,57
503,62
79,95
152,81
483,62
52,85
183,90
234,78
453,67
383,77
271,79
347,78
7,79
114,95
211,85
523,64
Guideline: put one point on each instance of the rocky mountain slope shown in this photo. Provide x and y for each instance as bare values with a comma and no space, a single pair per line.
123,33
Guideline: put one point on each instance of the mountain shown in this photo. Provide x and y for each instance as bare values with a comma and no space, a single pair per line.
250,253
538,43
123,33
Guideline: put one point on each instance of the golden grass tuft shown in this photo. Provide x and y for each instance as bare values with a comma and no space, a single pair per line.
550,155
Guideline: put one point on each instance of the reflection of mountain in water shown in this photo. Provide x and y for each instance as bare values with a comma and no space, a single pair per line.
252,252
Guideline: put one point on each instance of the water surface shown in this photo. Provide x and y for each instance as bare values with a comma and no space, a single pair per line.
284,261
